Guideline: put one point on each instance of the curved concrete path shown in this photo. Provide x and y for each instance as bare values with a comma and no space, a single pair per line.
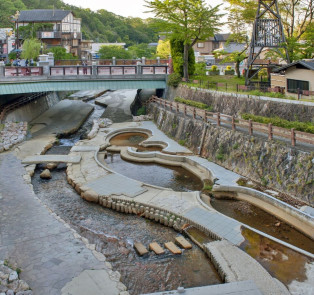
104,183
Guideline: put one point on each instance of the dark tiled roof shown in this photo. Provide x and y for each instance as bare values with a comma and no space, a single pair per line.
221,37
43,15
309,64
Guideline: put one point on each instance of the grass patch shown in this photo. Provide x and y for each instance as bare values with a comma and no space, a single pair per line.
193,103
182,142
279,122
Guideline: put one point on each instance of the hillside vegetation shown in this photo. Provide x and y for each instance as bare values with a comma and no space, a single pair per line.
100,26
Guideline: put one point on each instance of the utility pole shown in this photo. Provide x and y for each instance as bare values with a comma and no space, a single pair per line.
267,33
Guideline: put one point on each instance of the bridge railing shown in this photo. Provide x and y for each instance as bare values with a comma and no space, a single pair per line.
108,70
110,62
23,71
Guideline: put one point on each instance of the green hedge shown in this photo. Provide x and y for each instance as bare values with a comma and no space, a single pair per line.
193,103
276,121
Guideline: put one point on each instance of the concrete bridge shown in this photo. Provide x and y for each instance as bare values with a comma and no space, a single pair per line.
15,80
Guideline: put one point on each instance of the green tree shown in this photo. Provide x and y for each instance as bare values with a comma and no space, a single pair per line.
107,52
60,53
31,48
177,55
187,20
29,31
140,50
236,56
163,49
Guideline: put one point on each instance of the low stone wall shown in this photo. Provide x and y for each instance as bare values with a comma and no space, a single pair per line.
271,163
235,104
12,133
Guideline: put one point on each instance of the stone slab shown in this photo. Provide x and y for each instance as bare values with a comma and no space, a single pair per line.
173,248
116,184
85,148
91,282
140,248
52,159
238,266
236,288
218,223
156,248
183,243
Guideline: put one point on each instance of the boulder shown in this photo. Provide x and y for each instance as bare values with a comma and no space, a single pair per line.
51,166
13,276
45,174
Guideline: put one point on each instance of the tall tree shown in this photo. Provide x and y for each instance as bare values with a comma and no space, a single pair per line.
187,20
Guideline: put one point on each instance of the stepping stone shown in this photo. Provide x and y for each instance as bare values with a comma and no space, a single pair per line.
183,243
173,248
140,249
156,248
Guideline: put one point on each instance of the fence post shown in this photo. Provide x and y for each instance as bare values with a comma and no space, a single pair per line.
177,107
184,110
237,87
270,131
226,86
250,127
292,136
194,113
216,86
218,119
205,117
233,124
170,105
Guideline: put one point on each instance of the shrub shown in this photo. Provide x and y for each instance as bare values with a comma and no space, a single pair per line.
174,79
141,111
279,122
192,103
200,69
228,68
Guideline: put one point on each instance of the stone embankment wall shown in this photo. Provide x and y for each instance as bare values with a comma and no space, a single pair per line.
235,104
12,133
35,108
271,163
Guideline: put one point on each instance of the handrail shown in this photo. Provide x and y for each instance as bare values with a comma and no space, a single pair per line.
219,118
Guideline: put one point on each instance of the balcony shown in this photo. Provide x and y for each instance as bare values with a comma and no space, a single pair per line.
49,34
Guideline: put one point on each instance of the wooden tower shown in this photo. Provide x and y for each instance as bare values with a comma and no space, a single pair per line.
267,33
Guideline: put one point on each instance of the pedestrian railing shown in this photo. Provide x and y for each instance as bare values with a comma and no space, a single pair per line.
23,71
267,129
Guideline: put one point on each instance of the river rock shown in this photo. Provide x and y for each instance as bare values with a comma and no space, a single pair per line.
90,196
13,276
10,292
45,174
51,166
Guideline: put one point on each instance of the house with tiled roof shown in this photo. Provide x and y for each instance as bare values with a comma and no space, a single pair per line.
64,29
297,78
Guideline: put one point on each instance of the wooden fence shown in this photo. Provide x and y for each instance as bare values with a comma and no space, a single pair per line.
267,129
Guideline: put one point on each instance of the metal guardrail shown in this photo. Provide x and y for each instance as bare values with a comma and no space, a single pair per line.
267,129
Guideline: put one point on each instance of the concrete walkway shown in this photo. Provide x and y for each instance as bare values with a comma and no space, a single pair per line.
43,247
238,288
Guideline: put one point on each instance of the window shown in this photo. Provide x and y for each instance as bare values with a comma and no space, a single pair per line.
294,85
200,45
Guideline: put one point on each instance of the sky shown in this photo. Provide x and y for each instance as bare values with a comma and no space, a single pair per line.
133,8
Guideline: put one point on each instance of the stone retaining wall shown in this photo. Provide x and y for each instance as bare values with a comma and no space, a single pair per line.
32,110
271,163
234,104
